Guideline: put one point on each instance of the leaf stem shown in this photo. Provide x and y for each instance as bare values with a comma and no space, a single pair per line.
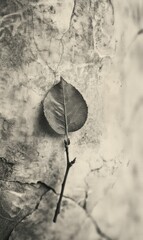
69,165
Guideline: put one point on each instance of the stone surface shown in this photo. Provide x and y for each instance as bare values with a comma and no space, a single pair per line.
98,47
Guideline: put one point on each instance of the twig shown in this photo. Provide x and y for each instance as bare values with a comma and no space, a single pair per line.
69,165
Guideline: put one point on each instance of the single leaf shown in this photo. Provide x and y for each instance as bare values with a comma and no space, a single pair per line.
64,108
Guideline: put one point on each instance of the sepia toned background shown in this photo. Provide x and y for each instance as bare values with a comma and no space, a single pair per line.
97,46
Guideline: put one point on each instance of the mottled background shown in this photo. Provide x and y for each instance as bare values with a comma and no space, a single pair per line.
96,45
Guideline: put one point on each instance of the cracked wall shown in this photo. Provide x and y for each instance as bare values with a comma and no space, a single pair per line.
96,46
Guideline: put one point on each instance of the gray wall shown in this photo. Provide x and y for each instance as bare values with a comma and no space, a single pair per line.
96,46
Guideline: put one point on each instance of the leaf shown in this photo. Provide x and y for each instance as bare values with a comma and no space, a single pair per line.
64,108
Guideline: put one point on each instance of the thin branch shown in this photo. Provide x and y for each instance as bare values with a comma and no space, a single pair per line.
69,165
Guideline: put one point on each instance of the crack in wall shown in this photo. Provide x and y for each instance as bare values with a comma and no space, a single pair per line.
21,216
54,71
84,208
112,5
98,229
73,13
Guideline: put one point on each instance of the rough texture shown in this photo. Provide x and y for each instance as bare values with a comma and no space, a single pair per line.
98,47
